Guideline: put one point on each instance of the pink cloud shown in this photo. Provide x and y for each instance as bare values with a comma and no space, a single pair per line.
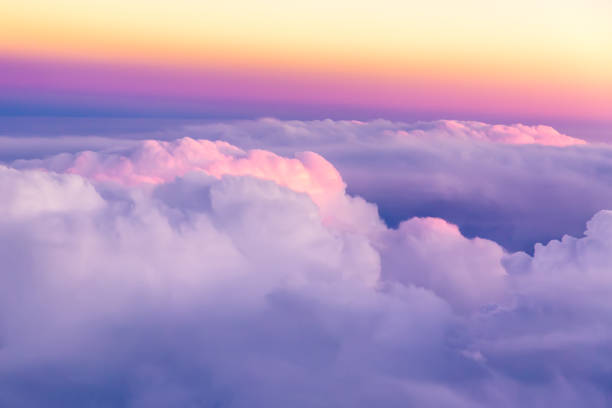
156,162
515,134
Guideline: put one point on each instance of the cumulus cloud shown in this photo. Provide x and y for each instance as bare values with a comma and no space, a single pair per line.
21,192
155,162
514,184
202,291
431,253
197,273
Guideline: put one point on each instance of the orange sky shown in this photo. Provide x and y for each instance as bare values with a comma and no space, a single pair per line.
547,58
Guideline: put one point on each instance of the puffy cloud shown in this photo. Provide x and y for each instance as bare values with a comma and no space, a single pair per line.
557,329
193,273
30,193
223,291
154,162
514,184
569,266
431,253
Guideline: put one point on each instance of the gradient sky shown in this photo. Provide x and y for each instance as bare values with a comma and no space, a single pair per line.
545,61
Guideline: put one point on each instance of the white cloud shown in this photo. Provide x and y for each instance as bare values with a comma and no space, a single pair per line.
244,294
196,273
30,193
431,253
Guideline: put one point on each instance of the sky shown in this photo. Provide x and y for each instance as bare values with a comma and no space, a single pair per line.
523,61
318,204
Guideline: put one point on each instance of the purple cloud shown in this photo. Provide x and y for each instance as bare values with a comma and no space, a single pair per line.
512,184
203,274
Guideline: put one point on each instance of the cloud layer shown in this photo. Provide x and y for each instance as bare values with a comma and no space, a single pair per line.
517,185
193,273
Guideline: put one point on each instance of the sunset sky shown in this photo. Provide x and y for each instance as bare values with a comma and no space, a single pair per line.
535,62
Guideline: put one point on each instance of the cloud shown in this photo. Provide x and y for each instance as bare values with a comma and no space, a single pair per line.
147,301
21,192
155,162
193,273
517,134
514,184
431,253
517,184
